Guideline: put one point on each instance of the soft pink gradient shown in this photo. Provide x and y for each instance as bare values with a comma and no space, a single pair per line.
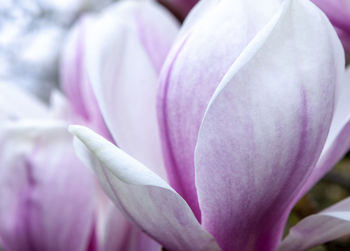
252,110
338,12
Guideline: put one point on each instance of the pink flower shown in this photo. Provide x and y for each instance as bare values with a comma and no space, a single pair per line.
338,13
38,180
251,111
49,201
141,24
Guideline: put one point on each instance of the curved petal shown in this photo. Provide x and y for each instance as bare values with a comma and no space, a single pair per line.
38,189
143,196
74,81
145,243
215,31
338,13
126,48
115,232
265,127
72,72
338,140
316,229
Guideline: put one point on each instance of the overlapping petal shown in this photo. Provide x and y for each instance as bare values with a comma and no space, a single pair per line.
338,13
126,48
74,81
42,185
72,69
191,74
265,127
338,140
142,195
316,229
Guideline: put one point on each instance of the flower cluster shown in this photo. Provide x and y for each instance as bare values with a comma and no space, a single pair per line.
203,135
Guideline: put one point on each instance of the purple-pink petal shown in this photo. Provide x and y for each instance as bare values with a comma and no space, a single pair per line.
265,127
338,140
210,42
338,12
42,205
125,49
145,198
74,81
328,225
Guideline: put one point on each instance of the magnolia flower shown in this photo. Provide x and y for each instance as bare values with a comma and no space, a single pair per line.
252,111
140,21
34,198
38,174
338,13
49,201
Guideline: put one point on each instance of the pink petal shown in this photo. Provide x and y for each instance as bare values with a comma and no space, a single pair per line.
74,81
316,229
72,69
214,35
338,13
338,140
126,48
265,127
143,196
117,233
42,205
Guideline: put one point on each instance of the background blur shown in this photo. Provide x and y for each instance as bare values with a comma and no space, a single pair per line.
31,36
